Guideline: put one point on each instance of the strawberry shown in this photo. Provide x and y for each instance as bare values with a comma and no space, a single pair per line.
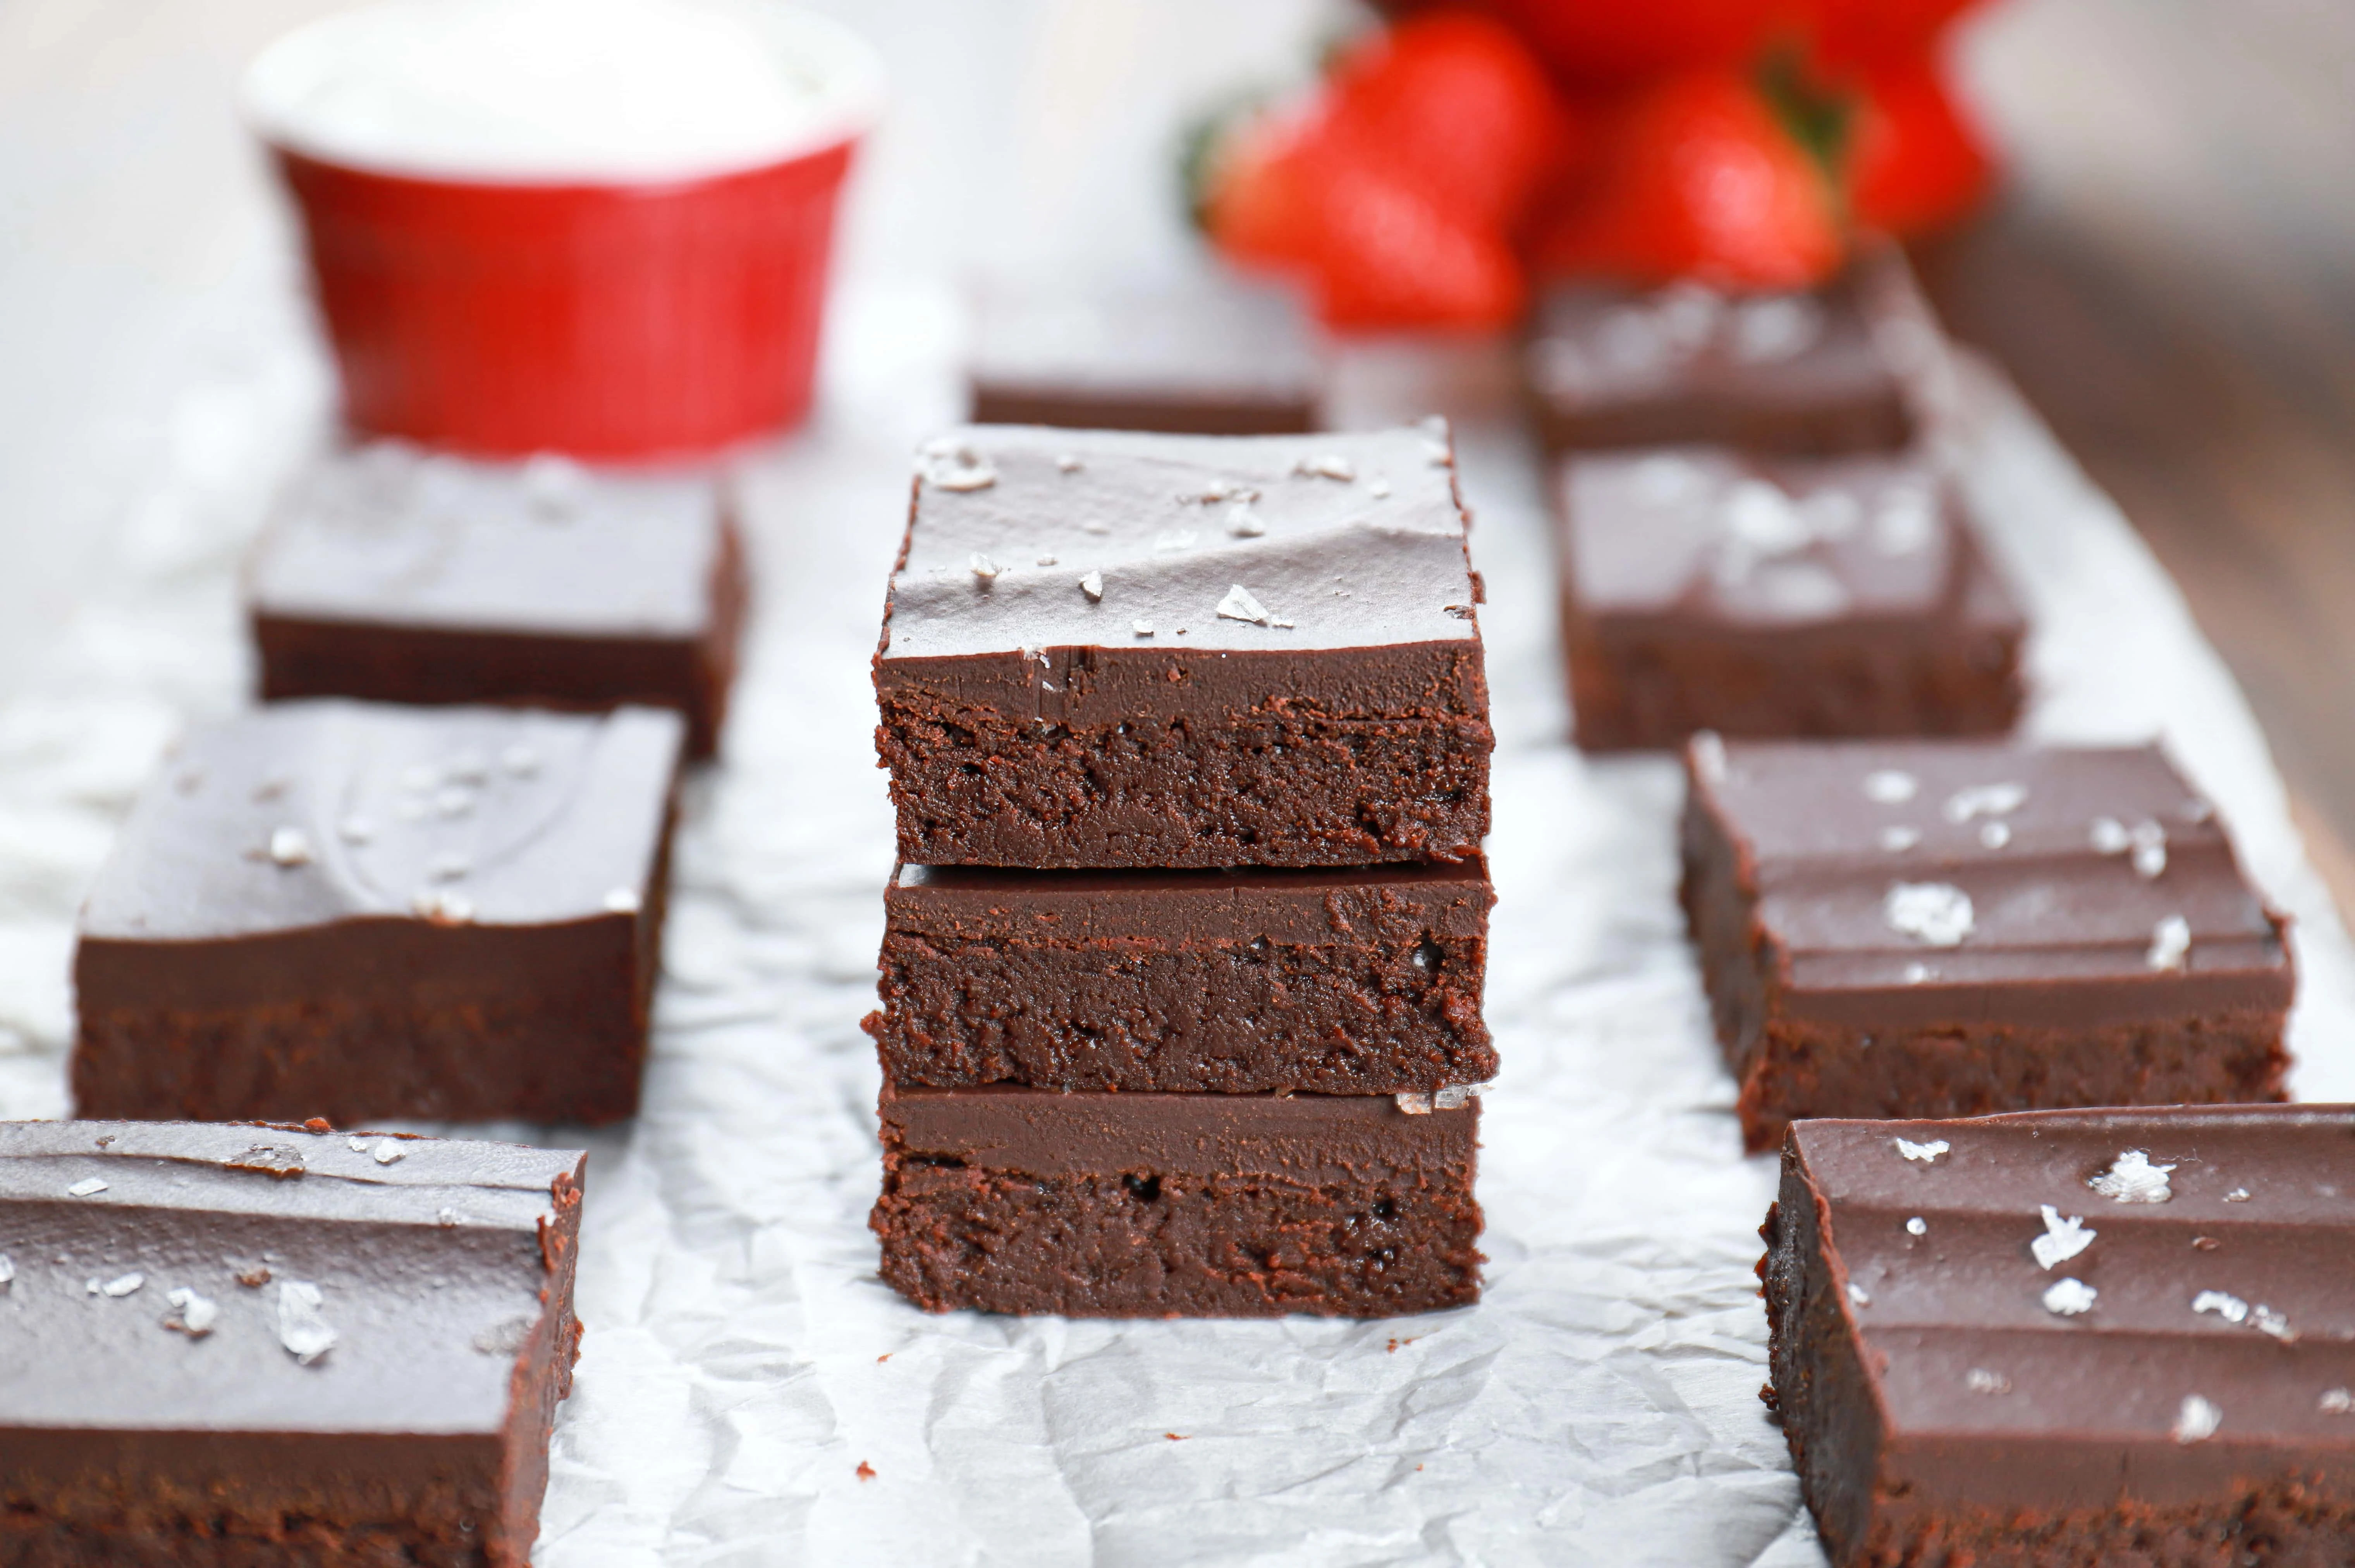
1699,177
1456,107
1852,34
1616,44
1255,190
1393,257
1917,164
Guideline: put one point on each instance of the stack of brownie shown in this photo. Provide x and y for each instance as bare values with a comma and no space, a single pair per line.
1182,970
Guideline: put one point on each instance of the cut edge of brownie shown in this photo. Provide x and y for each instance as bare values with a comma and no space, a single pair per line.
1789,1070
1152,1236
436,664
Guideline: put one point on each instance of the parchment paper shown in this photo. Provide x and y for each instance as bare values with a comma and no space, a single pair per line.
749,1393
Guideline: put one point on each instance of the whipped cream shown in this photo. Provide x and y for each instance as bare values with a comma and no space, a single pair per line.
545,91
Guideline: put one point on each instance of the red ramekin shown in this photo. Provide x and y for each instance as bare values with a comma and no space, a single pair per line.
631,320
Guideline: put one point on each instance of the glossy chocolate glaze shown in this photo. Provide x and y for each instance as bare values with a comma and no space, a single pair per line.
304,815
1206,361
1853,366
390,535
1936,1392
1346,903
170,1384
2075,863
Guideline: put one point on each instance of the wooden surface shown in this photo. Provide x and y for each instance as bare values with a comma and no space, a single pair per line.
2170,278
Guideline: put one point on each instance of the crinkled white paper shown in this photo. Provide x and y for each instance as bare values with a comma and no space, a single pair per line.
749,1393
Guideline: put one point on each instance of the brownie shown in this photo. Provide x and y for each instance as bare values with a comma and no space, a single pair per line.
249,1346
1768,598
1120,1205
2070,1338
1836,369
1194,360
342,909
1947,929
400,577
1107,649
1358,981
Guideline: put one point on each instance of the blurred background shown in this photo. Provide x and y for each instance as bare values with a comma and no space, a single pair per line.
2166,265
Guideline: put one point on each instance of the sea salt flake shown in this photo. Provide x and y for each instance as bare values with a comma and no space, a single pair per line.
1239,605
1456,1096
1993,835
2337,1402
85,1187
123,1285
2069,1298
1066,462
2267,1321
1937,913
982,567
388,1150
1985,800
7,1270
357,1145
2170,944
1761,518
1708,750
2132,1178
1174,540
1380,489
2109,836
443,906
448,1216
1413,1104
2238,1195
290,846
1326,465
1915,973
2231,1308
1049,559
1859,1294
949,464
2197,1420
198,1313
356,830
2149,850
1142,628
1917,1226
1244,523
623,900
1927,1153
1978,1379
1891,786
453,800
2062,1239
302,1326
1095,525
1091,584
520,760
1777,327
1896,840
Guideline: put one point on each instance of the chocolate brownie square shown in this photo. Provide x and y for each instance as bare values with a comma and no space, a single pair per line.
1951,929
343,910
1194,360
1839,597
1128,1205
1849,366
244,1347
1104,649
1355,981
399,576
2070,1338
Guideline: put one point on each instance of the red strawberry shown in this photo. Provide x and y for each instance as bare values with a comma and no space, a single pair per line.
1256,201
1917,164
1700,178
1862,33
1614,44
1456,107
1393,257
